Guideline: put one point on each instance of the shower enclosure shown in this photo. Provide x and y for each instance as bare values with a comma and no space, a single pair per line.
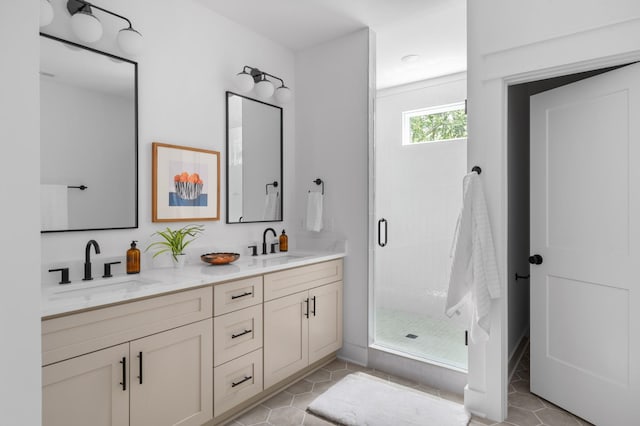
417,197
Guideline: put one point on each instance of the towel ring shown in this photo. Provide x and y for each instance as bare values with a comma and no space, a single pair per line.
266,187
319,181
476,169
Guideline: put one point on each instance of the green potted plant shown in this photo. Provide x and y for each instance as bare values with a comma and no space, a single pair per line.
175,241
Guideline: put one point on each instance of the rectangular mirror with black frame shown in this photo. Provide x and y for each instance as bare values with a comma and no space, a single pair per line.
254,160
88,138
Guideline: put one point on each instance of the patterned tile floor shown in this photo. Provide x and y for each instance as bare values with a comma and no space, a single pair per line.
288,407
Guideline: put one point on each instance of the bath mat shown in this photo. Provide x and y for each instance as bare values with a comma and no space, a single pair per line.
360,399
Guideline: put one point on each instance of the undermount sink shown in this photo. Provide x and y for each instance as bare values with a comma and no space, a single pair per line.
100,286
273,259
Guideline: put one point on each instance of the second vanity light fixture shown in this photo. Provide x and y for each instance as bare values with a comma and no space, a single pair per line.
88,28
251,77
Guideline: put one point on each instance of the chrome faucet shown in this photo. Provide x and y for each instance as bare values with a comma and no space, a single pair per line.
87,259
264,239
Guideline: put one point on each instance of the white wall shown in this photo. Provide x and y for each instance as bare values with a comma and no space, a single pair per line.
332,144
512,42
418,189
191,55
19,307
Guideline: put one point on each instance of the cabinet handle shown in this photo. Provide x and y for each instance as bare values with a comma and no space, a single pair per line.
234,336
314,306
233,385
306,314
124,373
140,362
246,293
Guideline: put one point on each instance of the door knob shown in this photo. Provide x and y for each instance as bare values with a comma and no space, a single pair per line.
536,259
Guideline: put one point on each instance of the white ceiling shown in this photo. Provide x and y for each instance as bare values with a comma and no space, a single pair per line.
433,29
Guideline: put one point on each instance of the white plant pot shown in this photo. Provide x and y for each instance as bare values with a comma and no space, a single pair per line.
180,262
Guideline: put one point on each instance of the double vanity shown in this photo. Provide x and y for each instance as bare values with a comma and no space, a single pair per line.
192,346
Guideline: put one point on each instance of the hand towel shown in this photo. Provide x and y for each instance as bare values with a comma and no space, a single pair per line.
314,211
54,211
474,279
272,206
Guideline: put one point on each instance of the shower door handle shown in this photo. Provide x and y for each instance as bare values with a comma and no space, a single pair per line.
386,229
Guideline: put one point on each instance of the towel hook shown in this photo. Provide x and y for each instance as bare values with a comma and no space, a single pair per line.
81,187
476,169
319,181
266,187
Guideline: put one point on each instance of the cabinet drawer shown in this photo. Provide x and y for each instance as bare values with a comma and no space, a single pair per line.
78,334
283,283
236,334
234,295
236,381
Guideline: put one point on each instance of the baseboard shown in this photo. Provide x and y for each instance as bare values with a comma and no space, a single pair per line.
353,353
518,352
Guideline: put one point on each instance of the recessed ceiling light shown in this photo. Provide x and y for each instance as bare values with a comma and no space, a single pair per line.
410,58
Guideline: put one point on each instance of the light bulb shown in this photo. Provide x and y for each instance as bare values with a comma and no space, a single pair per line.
264,88
130,41
86,26
283,94
244,81
46,13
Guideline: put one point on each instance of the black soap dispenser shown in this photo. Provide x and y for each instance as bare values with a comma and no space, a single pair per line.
133,259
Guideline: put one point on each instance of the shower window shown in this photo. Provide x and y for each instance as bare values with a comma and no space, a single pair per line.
441,123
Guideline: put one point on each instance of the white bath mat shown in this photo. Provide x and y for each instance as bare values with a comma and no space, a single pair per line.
363,400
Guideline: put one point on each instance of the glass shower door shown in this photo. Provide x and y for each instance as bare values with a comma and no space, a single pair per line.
418,195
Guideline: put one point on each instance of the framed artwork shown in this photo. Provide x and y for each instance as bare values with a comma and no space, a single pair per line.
186,183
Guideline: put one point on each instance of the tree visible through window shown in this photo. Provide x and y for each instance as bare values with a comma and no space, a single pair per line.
434,124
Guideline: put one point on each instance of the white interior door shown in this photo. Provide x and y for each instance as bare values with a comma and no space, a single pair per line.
585,223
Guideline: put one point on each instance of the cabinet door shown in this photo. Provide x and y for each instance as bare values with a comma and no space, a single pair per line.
325,321
92,389
286,349
172,384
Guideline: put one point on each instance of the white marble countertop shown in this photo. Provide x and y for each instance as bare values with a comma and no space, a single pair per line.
67,298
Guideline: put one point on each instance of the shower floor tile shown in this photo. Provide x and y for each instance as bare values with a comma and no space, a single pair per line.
439,340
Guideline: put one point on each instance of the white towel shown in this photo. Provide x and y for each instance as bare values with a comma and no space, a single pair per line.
474,276
54,211
314,211
272,206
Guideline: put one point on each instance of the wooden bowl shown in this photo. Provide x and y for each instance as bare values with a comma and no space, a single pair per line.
219,258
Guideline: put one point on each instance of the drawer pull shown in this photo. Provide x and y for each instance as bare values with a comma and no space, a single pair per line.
246,293
234,336
233,385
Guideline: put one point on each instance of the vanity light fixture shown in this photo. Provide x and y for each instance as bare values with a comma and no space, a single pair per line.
251,77
88,28
46,12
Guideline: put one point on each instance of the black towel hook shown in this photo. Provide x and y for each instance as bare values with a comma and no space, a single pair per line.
476,169
266,187
319,181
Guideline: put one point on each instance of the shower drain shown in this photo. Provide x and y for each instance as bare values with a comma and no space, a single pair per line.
411,336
